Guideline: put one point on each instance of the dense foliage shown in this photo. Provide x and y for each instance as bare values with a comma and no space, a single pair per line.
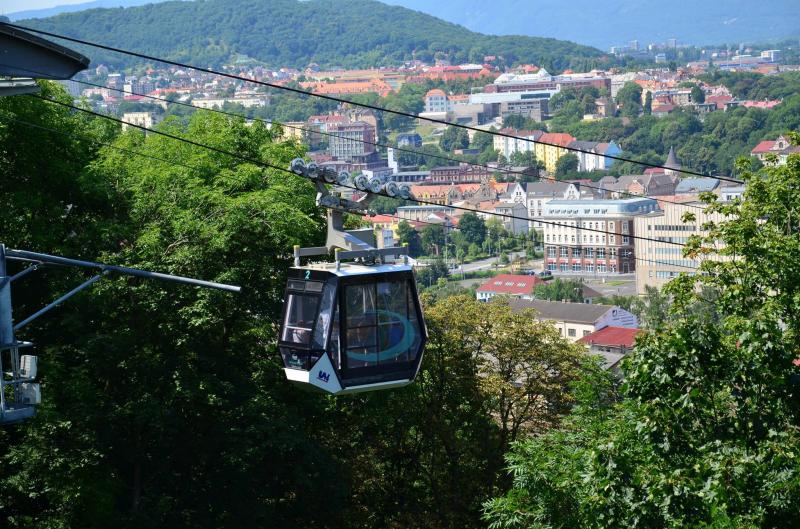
707,432
344,33
166,406
709,143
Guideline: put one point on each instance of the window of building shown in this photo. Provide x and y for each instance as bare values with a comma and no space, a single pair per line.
551,267
601,268
551,251
601,253
562,267
590,253
576,252
590,267
571,332
563,251
587,333
612,268
576,267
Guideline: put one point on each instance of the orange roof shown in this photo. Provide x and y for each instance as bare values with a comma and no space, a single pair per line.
435,92
557,138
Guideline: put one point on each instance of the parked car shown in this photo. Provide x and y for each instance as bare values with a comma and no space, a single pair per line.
546,274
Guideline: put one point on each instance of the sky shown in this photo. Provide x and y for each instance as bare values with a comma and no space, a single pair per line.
10,6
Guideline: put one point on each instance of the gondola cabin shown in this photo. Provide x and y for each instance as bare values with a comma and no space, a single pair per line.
349,328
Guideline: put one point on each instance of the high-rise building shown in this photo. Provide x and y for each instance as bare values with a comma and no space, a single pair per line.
347,140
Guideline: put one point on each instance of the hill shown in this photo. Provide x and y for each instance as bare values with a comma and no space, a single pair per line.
69,8
346,33
616,22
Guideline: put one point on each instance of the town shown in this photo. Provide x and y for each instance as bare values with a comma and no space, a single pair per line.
548,205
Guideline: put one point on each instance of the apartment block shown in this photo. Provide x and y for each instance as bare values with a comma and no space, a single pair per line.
587,237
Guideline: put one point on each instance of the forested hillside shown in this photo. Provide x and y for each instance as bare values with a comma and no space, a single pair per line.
347,33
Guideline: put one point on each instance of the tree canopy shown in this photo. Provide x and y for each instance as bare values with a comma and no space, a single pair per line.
706,433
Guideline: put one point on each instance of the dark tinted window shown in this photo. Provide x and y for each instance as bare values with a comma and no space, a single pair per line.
382,324
301,312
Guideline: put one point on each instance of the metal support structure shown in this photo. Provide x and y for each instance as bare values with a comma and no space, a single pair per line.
14,404
346,243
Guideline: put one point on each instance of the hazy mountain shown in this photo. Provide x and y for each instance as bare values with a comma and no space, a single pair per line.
295,33
609,22
70,8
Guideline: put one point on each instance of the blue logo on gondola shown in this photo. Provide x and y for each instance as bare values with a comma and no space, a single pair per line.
400,347
323,376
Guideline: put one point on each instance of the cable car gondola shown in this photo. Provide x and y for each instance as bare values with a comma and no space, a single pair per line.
350,326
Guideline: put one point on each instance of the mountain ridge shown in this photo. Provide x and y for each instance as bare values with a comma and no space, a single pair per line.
616,22
346,33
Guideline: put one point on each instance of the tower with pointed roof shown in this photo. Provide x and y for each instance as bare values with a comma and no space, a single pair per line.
673,166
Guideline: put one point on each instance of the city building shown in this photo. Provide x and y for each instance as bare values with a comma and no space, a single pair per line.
459,174
594,155
659,256
551,147
436,101
577,320
512,285
347,140
514,140
592,237
140,119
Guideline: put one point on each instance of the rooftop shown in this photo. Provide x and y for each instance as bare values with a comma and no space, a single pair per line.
512,284
561,311
612,337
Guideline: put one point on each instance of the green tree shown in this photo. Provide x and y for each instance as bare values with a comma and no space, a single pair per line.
706,433
472,227
560,289
454,138
697,95
433,239
407,235
629,98
566,166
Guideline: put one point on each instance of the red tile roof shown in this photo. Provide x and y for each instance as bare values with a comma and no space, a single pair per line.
513,284
763,147
612,336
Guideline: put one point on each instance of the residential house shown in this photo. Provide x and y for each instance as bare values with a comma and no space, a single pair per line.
611,343
650,185
576,320
514,140
780,149
140,119
594,155
551,147
436,102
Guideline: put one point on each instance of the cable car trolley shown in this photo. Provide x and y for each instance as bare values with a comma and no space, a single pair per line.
352,326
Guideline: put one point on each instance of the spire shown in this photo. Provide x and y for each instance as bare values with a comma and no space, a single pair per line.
672,160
